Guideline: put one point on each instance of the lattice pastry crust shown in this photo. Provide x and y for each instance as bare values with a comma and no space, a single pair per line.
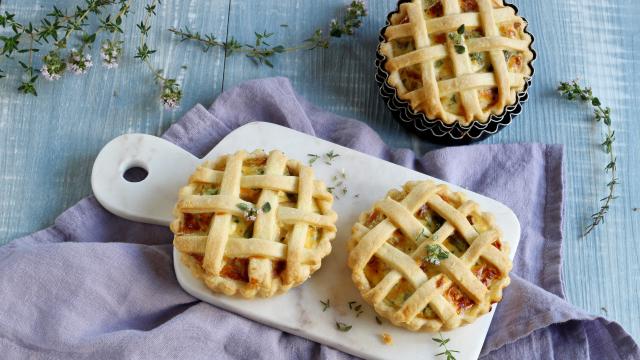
253,224
452,76
393,257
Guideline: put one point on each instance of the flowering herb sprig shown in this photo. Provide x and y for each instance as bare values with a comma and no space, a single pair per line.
79,62
261,51
250,212
573,91
110,52
51,35
170,93
54,66
435,253
442,342
352,20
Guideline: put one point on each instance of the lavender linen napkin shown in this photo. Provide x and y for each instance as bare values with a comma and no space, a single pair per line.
95,286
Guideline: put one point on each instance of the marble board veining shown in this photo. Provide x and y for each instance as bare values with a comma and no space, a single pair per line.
298,311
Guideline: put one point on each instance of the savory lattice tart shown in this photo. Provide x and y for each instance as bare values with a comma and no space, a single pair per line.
428,259
253,224
457,60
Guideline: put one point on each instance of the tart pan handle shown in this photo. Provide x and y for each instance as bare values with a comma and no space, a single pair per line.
150,200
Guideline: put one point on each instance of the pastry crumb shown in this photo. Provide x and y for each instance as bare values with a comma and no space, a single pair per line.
386,339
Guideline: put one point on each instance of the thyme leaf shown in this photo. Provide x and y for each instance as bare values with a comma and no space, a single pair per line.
266,207
343,327
325,304
313,158
442,342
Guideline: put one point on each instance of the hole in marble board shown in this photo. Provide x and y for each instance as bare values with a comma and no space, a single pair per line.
135,174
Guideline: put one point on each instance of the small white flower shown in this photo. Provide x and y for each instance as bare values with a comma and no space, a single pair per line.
47,75
171,94
169,104
110,52
79,63
53,66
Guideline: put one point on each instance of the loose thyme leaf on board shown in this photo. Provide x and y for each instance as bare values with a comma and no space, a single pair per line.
329,156
442,342
313,158
325,304
343,327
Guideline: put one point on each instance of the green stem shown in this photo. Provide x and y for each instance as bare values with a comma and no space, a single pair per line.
143,39
209,43
599,216
573,91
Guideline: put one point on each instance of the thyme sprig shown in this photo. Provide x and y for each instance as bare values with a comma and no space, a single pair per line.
40,47
262,51
351,21
170,93
442,342
573,91
51,36
435,253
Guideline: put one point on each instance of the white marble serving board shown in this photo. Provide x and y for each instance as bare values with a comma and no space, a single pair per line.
298,311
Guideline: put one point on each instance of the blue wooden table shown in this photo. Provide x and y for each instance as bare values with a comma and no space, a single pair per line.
48,143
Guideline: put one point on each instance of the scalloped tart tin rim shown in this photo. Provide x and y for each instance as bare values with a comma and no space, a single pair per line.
433,128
